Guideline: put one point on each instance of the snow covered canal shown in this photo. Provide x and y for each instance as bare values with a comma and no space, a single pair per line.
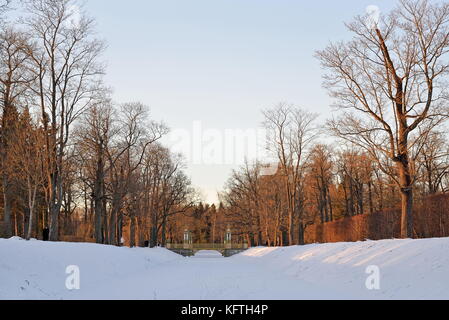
391,269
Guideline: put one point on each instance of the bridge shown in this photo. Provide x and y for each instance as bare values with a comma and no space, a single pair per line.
190,249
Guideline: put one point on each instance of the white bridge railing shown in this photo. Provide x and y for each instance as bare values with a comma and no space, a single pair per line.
207,246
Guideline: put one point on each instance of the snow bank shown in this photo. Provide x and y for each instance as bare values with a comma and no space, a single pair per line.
409,269
37,270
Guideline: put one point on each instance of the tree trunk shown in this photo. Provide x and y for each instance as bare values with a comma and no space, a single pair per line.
163,233
405,179
407,213
98,200
98,220
6,208
54,223
291,227
140,231
153,236
119,228
259,231
31,203
284,241
301,234
370,198
55,206
30,224
132,232
113,220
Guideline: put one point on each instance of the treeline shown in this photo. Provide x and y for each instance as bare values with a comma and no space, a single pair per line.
72,161
327,183
206,224
431,217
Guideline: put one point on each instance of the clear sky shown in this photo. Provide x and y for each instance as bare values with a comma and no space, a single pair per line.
207,67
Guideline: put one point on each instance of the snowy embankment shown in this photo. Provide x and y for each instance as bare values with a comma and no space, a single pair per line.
37,270
409,269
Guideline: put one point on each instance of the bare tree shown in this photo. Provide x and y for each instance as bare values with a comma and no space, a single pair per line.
244,193
392,77
167,190
290,133
178,198
28,158
94,136
433,163
136,134
321,170
68,72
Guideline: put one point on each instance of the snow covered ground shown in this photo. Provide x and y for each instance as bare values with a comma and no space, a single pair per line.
408,269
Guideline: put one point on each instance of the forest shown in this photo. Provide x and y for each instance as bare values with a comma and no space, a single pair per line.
77,166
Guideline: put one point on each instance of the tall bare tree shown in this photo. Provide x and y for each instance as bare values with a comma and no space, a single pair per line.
290,133
136,134
390,81
321,170
94,136
68,72
29,161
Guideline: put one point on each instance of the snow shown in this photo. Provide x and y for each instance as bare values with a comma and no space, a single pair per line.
409,269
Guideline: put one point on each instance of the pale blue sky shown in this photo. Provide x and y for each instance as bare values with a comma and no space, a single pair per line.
220,61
